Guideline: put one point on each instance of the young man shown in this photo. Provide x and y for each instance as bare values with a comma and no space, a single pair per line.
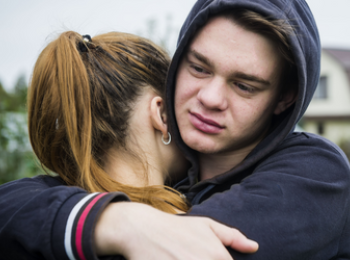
243,75
238,84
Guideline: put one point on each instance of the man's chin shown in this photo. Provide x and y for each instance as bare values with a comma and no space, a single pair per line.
204,147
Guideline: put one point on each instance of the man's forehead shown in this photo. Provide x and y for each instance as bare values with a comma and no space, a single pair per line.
238,52
213,25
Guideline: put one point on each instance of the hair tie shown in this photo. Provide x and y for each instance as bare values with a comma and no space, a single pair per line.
84,45
87,38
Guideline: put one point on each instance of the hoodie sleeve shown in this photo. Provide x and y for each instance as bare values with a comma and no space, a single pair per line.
296,204
41,220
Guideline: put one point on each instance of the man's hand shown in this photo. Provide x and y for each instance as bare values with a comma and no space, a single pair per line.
140,232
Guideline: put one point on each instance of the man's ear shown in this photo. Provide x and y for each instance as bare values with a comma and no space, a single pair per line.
158,115
286,100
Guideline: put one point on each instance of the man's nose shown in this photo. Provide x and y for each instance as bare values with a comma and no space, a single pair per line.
212,94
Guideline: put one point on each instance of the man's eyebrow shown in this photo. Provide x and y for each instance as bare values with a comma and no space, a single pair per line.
200,57
239,75
249,77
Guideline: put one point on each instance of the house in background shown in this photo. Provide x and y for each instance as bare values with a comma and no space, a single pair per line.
329,111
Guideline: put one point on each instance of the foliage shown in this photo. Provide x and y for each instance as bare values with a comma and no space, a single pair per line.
16,157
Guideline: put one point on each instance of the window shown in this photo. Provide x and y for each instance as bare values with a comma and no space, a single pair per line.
320,128
322,88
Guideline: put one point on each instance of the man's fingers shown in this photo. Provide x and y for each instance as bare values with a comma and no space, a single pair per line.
233,238
241,243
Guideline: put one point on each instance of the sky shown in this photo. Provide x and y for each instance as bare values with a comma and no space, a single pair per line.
27,26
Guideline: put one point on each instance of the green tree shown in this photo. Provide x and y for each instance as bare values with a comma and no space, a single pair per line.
19,97
4,99
16,157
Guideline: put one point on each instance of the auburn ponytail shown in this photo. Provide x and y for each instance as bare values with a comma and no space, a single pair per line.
79,102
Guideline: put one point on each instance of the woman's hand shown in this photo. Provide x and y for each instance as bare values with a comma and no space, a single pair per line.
141,232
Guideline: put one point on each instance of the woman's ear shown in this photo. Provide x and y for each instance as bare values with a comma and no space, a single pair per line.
158,115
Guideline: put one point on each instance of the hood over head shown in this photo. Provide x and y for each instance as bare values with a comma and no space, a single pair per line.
305,46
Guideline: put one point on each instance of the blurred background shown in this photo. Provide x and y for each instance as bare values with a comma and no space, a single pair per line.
28,26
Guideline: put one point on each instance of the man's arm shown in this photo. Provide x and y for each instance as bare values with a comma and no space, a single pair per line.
34,218
42,219
140,232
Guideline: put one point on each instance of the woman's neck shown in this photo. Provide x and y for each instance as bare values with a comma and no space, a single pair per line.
133,170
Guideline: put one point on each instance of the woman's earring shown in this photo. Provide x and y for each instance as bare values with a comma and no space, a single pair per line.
166,142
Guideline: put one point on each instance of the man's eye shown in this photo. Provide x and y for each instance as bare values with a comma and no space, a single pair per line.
198,69
244,87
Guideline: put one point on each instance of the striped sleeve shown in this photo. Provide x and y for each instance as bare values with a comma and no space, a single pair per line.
77,229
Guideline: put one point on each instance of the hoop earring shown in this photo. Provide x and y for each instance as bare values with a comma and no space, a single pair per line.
166,142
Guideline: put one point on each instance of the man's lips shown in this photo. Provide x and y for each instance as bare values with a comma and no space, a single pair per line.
204,124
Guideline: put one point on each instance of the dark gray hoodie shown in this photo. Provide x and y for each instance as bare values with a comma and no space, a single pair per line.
292,192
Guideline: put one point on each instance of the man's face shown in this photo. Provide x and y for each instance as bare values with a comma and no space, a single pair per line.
226,88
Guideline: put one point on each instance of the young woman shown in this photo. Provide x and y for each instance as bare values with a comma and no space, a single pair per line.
97,117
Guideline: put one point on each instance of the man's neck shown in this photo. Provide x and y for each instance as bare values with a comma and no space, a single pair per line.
212,165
